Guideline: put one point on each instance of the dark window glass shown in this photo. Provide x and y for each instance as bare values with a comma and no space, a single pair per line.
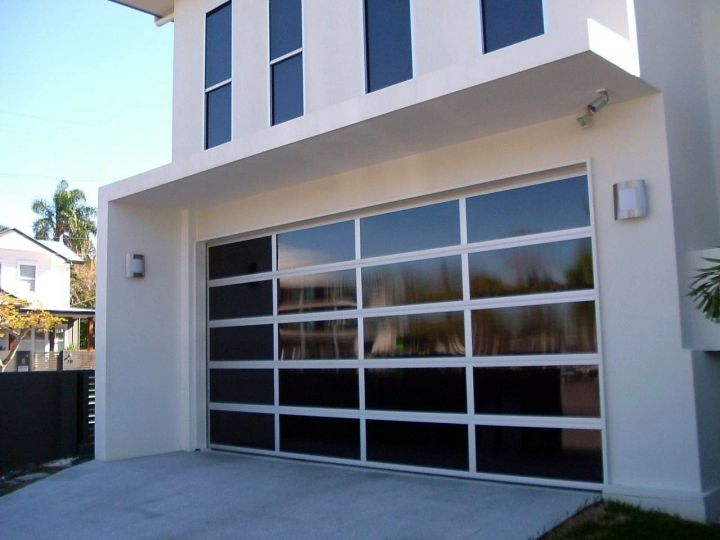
318,340
334,437
432,389
241,300
544,329
559,266
251,430
240,258
218,45
535,209
242,343
433,226
217,116
285,27
334,388
287,83
414,282
506,22
329,291
428,334
568,454
388,43
317,245
444,446
542,391
242,386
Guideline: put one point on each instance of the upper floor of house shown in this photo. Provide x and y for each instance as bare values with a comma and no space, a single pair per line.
362,81
36,270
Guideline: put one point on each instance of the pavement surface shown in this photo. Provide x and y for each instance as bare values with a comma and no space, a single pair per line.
217,495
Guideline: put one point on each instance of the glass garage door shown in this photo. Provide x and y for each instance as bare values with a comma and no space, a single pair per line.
456,337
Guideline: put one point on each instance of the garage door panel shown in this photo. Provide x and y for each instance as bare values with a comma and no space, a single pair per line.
457,335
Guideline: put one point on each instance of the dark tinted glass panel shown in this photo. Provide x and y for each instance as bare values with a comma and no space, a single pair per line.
329,291
336,388
506,22
287,81
241,300
242,343
388,45
217,116
432,226
242,386
318,340
240,258
415,282
559,266
444,446
568,454
251,430
542,391
285,27
334,437
429,334
317,245
534,209
218,45
544,329
432,390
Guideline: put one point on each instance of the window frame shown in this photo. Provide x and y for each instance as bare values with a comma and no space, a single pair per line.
207,90
21,279
272,62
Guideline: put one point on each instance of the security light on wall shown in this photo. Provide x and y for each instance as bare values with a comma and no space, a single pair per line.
134,266
631,200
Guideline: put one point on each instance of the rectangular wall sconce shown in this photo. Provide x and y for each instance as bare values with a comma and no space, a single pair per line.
134,266
631,200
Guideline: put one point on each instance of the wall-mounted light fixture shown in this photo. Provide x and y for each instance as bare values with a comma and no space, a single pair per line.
134,266
631,200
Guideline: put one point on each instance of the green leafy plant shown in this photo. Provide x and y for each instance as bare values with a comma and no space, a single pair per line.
705,290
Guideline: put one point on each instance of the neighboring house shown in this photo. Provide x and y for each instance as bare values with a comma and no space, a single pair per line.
385,239
38,271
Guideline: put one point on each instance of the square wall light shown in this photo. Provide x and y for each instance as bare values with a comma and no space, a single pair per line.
631,200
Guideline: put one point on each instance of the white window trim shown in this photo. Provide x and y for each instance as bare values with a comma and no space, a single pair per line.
19,279
208,89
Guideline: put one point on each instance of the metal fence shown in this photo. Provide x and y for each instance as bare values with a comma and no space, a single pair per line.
62,361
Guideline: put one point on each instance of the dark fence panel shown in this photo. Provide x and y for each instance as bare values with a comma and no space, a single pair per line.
45,416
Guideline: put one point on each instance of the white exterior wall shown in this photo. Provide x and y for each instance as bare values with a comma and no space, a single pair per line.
52,274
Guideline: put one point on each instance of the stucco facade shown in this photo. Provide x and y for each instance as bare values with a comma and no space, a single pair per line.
466,124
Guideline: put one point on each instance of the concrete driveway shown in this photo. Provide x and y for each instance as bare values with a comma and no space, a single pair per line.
215,495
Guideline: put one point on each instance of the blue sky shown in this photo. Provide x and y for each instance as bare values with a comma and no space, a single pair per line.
85,96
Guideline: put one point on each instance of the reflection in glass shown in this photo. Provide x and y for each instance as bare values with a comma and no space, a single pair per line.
285,27
218,117
251,430
241,300
569,454
218,45
242,386
552,206
427,334
444,446
287,83
334,437
542,391
506,22
416,389
543,329
335,388
318,340
388,43
317,245
558,266
426,227
240,258
317,292
414,282
242,343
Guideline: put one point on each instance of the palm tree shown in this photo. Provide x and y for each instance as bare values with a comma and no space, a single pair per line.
66,218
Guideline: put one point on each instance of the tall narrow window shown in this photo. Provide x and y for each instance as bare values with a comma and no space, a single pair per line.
218,75
388,43
286,60
506,22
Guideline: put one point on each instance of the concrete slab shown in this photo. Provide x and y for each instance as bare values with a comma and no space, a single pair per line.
215,495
